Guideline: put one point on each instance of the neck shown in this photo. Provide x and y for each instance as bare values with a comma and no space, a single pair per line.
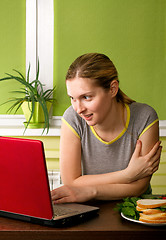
113,124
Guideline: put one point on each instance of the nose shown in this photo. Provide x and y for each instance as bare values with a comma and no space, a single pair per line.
79,107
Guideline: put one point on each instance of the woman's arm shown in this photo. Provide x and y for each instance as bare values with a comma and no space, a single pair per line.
71,193
132,181
70,155
136,169
141,165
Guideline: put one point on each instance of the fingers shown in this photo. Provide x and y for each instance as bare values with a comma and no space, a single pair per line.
155,169
155,149
57,194
63,200
137,149
62,195
158,153
57,197
154,160
156,156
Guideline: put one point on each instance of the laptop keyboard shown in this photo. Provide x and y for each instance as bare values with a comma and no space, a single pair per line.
60,210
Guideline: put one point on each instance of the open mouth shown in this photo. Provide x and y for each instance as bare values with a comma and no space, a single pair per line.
87,117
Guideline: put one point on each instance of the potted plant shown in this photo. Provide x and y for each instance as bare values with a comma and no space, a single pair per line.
35,101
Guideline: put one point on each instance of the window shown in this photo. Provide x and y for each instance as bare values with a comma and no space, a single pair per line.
40,39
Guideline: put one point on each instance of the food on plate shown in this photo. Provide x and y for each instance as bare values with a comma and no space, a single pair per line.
128,207
152,210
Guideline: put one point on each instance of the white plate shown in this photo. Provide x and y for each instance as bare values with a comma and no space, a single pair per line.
144,223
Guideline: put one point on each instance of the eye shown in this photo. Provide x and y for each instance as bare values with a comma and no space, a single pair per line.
71,98
87,97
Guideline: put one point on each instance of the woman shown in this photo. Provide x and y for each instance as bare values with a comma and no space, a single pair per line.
109,145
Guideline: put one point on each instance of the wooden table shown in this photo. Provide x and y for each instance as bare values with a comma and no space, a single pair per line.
108,225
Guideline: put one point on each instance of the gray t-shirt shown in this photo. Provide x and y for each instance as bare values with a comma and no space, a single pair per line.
99,156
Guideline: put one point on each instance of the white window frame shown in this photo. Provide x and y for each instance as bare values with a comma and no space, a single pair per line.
40,39
39,45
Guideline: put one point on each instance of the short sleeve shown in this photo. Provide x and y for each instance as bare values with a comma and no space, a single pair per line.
73,121
144,116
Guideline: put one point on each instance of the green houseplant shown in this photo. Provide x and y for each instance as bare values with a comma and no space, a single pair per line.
34,99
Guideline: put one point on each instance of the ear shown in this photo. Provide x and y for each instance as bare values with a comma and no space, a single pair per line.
114,87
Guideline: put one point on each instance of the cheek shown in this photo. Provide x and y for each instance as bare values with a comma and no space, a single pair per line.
102,106
96,106
73,105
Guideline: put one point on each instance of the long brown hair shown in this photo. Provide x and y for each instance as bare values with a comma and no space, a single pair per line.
99,68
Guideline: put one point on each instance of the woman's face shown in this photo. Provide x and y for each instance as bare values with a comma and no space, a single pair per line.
91,102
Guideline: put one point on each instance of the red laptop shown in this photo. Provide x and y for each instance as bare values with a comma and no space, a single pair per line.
24,186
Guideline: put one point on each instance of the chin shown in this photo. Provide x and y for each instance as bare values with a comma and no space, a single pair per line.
91,123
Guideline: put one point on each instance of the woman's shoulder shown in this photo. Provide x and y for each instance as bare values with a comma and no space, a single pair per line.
69,112
138,108
71,115
74,120
142,114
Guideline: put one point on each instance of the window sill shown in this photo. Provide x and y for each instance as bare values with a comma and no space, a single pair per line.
13,125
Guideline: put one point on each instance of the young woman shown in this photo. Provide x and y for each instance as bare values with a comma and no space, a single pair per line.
109,145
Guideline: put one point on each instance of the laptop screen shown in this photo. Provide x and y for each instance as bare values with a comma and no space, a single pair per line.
23,178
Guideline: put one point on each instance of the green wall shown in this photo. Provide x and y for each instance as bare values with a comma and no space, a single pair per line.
130,32
12,44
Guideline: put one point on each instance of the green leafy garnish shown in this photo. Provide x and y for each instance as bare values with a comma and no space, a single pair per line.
162,208
128,207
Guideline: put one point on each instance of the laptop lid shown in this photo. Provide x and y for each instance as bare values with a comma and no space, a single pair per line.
23,178
25,192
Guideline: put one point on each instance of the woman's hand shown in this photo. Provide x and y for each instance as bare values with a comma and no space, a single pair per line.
139,168
70,193
143,166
